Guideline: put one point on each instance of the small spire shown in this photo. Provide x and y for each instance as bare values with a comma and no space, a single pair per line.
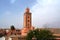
27,10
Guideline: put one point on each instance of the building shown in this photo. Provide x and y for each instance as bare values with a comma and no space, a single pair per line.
18,34
27,26
27,22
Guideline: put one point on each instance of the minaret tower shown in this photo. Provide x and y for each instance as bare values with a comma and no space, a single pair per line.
27,22
27,18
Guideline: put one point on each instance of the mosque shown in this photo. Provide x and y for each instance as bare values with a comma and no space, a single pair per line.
19,34
27,22
27,26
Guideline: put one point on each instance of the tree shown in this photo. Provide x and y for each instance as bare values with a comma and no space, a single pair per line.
32,33
40,35
29,35
12,27
46,35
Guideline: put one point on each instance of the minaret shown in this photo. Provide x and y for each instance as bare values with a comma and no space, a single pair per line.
27,18
27,23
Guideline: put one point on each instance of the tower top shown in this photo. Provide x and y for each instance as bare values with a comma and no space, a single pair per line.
27,10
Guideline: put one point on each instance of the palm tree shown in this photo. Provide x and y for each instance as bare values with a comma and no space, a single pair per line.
40,35
12,27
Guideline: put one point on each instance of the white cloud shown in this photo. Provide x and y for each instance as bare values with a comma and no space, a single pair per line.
13,1
45,11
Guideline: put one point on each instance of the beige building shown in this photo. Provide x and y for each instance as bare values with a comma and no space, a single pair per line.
27,18
27,22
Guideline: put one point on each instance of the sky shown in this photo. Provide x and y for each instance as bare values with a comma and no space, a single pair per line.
45,13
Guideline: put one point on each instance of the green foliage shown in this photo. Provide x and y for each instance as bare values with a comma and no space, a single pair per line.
45,35
39,35
29,35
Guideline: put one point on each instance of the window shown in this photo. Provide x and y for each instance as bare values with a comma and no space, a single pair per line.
28,16
28,20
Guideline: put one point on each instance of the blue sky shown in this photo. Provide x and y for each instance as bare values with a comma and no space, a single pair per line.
44,12
11,12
